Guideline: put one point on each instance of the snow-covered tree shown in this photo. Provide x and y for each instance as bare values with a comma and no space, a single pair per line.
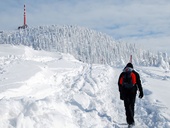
85,44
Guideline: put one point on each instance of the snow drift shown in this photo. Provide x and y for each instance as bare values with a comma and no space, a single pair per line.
40,89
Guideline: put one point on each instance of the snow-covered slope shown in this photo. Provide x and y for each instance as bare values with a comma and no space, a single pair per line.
40,89
85,45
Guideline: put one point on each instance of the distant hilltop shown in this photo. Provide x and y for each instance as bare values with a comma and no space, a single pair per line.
84,44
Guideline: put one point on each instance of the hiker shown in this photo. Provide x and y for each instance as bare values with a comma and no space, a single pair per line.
129,82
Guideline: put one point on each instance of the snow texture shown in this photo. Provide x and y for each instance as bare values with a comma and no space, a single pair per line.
40,89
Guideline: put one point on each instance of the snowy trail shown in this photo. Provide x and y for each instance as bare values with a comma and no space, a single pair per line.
152,111
60,92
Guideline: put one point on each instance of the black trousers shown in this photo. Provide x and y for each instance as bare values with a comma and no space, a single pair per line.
129,103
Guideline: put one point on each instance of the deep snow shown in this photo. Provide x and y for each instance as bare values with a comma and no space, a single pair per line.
41,89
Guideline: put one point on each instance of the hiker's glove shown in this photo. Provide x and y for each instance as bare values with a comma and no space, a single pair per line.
140,95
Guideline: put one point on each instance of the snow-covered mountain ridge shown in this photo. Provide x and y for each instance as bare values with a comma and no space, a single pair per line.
85,45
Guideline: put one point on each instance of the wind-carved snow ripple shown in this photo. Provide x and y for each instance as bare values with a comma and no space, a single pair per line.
155,76
149,112
86,93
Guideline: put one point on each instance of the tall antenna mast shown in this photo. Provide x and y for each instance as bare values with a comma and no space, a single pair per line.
24,15
25,25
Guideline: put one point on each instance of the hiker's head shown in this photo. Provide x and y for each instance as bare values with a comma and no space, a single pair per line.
129,65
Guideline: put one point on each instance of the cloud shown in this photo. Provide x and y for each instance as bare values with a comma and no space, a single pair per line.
122,19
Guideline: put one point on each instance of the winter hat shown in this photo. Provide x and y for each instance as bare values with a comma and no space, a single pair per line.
129,65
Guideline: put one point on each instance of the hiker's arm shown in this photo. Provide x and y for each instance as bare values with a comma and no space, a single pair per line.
119,84
139,85
120,87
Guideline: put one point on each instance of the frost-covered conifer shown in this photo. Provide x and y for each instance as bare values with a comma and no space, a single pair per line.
84,44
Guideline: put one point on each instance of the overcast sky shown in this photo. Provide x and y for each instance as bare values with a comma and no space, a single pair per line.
141,21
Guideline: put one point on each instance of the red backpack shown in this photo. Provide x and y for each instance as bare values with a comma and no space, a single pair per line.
128,79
